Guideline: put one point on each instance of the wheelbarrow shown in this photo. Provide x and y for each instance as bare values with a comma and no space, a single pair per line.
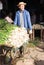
7,53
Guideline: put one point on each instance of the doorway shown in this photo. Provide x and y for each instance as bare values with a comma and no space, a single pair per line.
32,6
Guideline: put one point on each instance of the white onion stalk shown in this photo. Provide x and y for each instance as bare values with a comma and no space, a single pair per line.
18,37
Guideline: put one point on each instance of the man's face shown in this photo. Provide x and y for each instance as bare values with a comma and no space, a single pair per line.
21,7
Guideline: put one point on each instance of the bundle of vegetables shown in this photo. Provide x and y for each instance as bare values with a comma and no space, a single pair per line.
12,35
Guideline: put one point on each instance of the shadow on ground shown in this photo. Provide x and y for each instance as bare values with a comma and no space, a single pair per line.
41,62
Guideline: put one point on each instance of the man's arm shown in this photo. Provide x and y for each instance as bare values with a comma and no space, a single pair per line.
29,24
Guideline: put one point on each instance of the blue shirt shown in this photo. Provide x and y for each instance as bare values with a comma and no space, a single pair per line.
26,17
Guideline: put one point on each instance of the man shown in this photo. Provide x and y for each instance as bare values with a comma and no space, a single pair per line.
22,17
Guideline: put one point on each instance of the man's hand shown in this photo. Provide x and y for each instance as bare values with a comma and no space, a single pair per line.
30,34
30,31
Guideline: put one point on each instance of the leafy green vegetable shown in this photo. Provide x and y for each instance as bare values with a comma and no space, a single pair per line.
5,30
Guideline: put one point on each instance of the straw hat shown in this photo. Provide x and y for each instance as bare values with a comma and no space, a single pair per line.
20,3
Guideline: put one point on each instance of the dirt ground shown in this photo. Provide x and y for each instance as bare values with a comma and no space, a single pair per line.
31,56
